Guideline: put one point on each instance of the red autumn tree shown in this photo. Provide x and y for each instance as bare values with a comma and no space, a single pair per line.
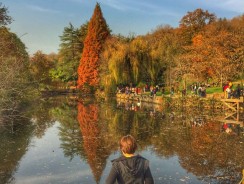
94,146
98,31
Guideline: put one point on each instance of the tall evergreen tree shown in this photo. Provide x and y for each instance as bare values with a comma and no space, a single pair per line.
98,31
71,45
69,53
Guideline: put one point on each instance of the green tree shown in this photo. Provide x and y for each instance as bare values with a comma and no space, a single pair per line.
83,32
71,45
115,67
4,17
139,57
163,49
72,42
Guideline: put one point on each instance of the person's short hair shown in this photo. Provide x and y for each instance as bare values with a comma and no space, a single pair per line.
128,144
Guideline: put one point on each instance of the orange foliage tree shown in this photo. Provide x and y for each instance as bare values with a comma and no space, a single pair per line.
94,146
98,31
193,22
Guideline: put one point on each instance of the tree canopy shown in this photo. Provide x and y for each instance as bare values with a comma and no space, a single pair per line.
14,69
202,49
4,17
97,33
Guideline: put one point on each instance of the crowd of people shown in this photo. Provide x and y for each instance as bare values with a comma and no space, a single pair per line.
232,128
200,90
230,92
130,89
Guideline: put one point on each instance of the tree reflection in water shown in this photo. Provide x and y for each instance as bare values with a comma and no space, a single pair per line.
213,154
16,132
12,149
91,132
205,151
94,138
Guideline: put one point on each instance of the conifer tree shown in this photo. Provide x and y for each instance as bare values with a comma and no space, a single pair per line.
69,55
98,31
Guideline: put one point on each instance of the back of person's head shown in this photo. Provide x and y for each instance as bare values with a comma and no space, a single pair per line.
128,144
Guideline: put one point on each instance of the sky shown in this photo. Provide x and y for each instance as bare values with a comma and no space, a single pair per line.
39,23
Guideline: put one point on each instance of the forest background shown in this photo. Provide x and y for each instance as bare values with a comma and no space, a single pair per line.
202,49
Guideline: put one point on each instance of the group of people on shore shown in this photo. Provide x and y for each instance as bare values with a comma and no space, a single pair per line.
231,128
200,90
151,89
130,89
230,92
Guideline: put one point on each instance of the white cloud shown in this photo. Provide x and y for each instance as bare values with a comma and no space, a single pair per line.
227,5
233,5
117,4
41,9
145,7
157,7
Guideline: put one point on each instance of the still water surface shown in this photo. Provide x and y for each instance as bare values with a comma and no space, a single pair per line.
62,140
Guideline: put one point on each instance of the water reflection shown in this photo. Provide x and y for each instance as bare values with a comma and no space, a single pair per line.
94,136
15,139
68,141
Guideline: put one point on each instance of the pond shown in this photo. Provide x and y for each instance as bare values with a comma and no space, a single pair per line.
70,140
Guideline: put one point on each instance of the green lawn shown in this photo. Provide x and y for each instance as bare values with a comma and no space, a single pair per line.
214,90
210,90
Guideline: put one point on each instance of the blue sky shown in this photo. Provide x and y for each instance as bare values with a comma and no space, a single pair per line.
39,23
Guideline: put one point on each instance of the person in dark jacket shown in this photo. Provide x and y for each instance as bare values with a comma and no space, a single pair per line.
129,168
